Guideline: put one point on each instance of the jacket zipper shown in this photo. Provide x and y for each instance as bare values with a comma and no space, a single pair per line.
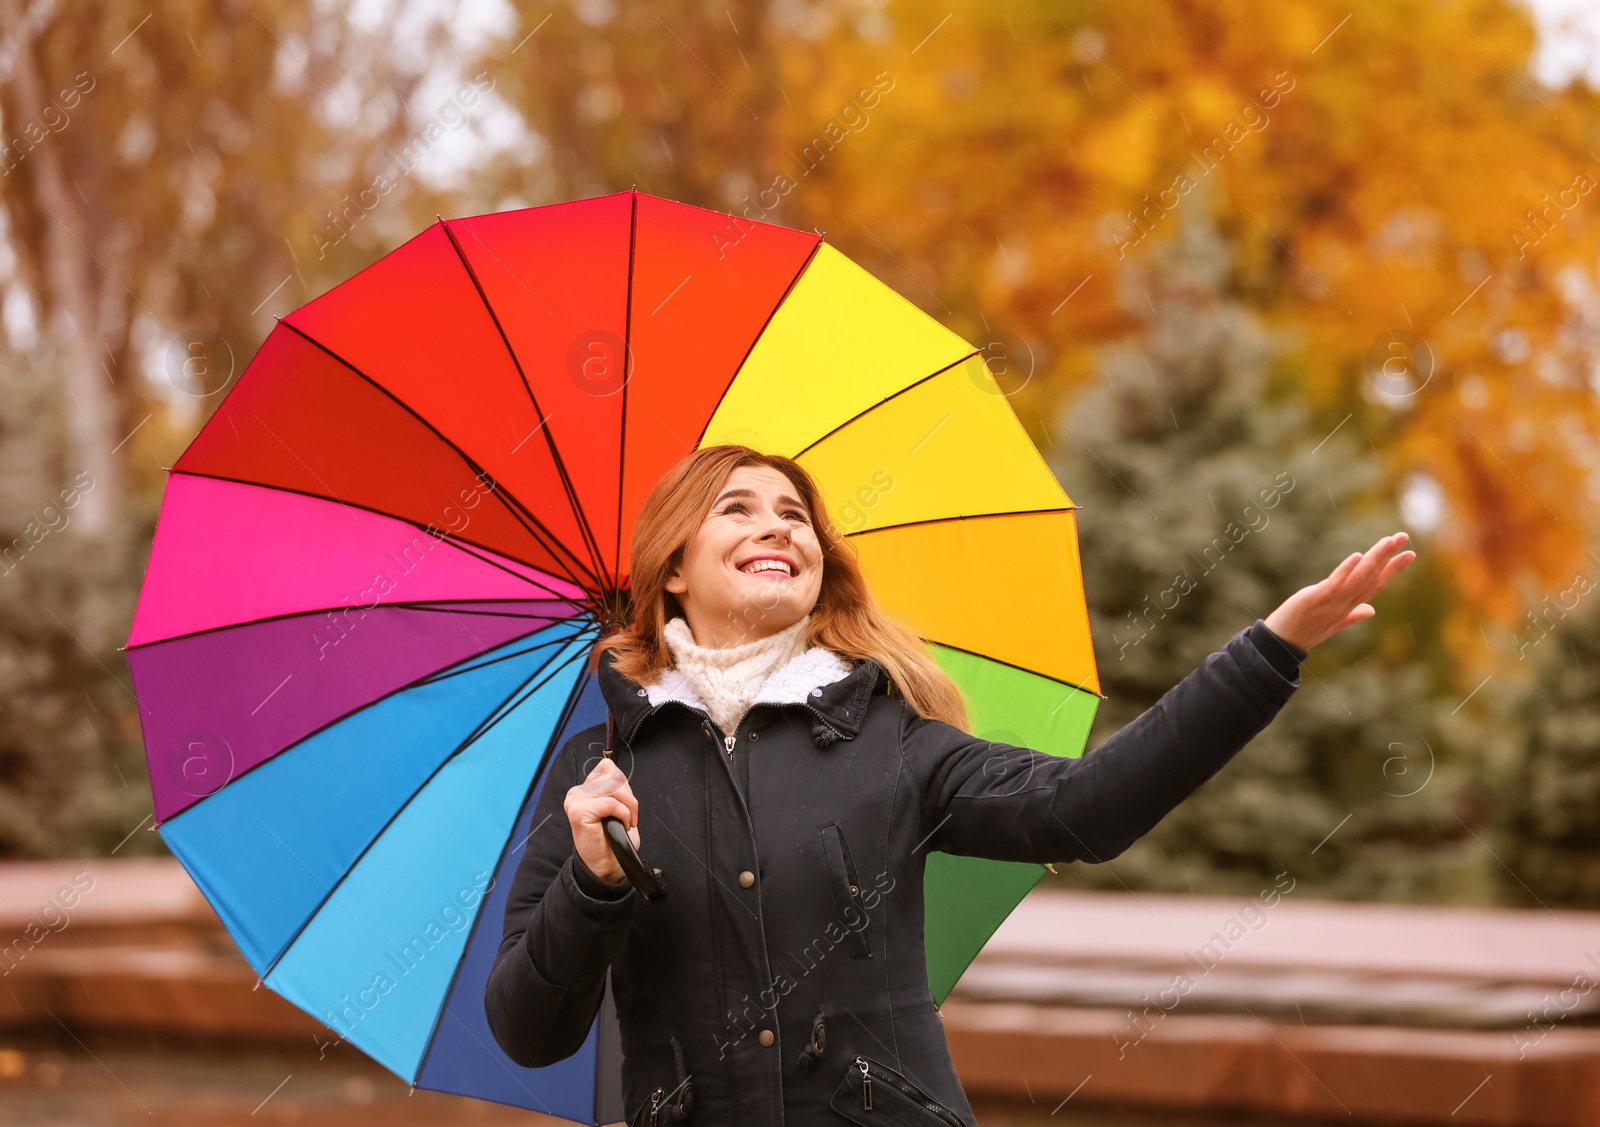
849,865
727,743
848,896
818,715
646,1115
889,1076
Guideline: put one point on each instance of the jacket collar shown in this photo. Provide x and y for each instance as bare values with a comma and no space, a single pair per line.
817,678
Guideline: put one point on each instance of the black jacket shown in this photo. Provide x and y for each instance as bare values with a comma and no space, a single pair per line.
769,992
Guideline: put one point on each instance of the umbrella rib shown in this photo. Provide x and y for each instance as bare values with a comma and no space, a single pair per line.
595,580
504,709
519,513
463,608
498,1059
968,516
530,523
798,274
426,604
627,371
473,550
501,712
477,661
1018,668
963,649
886,399
590,544
567,713
459,543
418,682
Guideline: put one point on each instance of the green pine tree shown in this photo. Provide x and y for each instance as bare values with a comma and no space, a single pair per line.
73,780
1551,817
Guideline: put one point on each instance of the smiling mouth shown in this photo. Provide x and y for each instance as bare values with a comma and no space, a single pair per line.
768,566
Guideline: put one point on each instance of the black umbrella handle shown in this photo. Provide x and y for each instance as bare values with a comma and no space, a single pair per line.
651,882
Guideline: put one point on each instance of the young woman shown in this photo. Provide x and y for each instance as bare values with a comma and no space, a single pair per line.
793,755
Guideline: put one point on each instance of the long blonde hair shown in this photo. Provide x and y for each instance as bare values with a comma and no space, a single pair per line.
846,618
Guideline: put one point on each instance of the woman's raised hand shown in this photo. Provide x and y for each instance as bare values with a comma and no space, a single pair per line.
605,793
1316,613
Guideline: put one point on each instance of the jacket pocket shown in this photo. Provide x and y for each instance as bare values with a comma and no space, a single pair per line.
846,890
875,1095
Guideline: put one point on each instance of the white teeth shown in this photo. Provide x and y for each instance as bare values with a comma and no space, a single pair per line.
765,565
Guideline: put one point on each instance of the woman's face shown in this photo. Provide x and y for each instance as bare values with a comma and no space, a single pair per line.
754,566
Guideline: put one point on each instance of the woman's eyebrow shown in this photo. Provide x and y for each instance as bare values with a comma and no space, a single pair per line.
783,498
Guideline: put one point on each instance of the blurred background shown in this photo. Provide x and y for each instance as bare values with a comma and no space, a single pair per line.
1264,283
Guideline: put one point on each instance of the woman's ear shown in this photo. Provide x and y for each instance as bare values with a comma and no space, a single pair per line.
675,583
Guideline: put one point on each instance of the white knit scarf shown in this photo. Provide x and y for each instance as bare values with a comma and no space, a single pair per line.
726,678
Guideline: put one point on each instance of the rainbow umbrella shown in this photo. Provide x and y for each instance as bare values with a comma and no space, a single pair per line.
380,564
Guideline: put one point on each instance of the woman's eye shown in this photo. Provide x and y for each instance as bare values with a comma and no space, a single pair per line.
741,507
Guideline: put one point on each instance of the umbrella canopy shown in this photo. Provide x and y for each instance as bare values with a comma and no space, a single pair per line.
380,564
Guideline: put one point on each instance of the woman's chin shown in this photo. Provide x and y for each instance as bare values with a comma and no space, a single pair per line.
769,611
765,589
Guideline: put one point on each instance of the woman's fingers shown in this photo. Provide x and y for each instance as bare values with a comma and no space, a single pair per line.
607,779
1342,572
602,808
604,793
1372,560
1374,568
1388,559
1390,570
604,778
1360,614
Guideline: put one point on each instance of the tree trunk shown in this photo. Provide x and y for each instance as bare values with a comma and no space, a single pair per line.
70,312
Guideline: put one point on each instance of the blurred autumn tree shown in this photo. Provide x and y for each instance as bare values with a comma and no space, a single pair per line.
155,165
1551,818
1206,498
1388,170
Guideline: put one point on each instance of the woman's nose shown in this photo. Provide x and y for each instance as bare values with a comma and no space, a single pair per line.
776,526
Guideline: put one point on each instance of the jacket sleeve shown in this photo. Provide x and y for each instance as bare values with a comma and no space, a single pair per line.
995,800
563,927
